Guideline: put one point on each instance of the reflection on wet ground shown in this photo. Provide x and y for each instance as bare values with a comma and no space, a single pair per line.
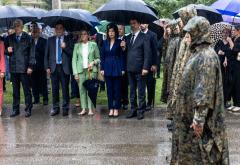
44,140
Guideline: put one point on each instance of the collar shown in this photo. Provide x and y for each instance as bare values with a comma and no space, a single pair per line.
20,35
145,31
62,37
136,34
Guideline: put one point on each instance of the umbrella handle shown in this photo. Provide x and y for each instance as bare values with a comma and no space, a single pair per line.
89,74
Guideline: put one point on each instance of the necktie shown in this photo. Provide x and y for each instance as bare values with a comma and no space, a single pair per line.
132,40
18,38
59,50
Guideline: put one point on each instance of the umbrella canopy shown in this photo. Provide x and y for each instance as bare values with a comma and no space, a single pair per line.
91,18
232,19
121,11
102,28
156,28
227,7
73,21
212,15
8,14
39,13
217,29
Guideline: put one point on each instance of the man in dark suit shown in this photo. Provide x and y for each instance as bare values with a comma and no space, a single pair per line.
124,79
151,82
58,65
138,65
20,49
39,75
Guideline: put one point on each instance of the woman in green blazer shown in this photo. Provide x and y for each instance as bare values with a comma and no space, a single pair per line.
85,63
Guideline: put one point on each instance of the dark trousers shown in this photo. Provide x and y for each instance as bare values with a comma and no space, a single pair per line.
137,82
113,92
59,77
39,85
24,79
124,89
74,88
150,88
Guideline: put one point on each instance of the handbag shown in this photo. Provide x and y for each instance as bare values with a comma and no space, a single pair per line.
100,77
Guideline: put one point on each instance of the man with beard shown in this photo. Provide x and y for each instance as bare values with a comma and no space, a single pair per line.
200,109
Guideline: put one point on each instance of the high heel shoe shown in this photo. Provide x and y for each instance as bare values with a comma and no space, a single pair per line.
115,114
110,113
84,112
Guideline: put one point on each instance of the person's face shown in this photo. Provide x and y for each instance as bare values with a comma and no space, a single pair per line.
59,30
135,25
84,36
177,30
225,34
111,34
35,32
121,30
169,31
233,32
18,28
144,27
11,31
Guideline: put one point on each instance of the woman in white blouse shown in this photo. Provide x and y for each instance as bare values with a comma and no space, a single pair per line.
85,63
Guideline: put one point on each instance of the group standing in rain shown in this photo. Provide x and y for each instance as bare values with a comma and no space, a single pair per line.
200,78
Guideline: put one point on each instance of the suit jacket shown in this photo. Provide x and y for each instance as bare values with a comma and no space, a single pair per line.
112,61
138,54
40,48
2,58
153,43
93,56
23,55
50,55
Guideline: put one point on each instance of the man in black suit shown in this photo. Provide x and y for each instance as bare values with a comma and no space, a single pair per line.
58,65
39,75
124,80
138,65
20,49
154,59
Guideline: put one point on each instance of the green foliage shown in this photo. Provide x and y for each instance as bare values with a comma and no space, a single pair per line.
19,3
47,4
165,8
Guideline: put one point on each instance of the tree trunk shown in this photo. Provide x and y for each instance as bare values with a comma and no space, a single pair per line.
56,4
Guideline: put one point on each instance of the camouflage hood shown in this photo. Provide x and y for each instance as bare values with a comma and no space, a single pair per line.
187,12
173,25
199,29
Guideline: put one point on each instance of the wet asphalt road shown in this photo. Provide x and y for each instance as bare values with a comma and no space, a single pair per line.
97,140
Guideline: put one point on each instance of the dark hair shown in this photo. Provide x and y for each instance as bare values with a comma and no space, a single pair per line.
59,23
134,18
237,27
115,29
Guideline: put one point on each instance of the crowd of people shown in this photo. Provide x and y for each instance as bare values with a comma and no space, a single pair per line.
69,60
200,79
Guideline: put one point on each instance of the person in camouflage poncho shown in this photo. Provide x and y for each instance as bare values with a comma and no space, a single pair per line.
200,127
185,14
172,50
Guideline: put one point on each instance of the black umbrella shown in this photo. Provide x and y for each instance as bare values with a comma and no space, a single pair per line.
8,14
156,28
72,21
121,11
92,89
212,15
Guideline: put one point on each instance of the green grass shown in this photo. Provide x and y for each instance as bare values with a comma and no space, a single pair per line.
101,100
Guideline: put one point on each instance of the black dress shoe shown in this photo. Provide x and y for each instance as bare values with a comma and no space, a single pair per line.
45,102
125,107
15,113
149,108
36,102
131,114
54,112
28,113
65,112
140,116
